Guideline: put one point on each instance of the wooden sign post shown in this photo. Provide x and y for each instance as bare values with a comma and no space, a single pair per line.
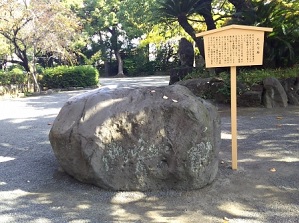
233,46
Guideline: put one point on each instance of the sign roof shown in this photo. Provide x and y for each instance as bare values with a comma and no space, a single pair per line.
253,28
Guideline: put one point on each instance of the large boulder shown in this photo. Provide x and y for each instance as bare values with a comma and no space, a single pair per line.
201,87
138,139
178,74
207,88
250,99
274,94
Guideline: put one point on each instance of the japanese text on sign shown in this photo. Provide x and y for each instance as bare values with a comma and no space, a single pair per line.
233,49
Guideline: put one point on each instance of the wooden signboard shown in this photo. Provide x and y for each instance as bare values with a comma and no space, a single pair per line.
233,46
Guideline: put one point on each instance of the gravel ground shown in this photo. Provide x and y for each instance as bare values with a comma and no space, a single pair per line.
265,188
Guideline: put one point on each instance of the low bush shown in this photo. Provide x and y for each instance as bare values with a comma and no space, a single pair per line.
14,76
249,78
199,72
246,77
65,76
252,77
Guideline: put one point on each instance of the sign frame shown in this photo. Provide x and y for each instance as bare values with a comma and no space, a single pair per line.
232,46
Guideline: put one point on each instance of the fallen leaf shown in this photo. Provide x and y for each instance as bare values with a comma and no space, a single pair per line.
279,117
226,220
165,97
174,100
273,170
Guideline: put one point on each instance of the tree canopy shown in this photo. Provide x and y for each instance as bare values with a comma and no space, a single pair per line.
40,26
95,31
281,15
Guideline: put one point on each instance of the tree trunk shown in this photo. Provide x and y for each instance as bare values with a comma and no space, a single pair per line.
106,68
36,85
205,9
183,21
22,55
120,63
105,58
209,21
25,64
115,47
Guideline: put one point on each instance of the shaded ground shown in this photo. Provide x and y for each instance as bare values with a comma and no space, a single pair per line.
265,188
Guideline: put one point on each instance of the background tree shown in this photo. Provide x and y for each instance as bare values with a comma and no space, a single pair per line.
103,27
4,52
36,26
113,25
282,44
188,14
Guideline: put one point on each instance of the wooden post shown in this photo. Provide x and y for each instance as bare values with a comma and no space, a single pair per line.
233,92
233,46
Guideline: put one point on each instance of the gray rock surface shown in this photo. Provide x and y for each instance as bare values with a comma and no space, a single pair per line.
178,74
274,93
138,139
250,99
291,87
207,88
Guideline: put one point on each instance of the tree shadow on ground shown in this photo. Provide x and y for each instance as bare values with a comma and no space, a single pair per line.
34,189
268,150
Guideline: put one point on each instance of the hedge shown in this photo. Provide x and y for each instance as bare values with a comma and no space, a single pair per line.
65,76
14,76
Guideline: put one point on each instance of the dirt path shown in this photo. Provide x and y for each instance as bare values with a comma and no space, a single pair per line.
265,188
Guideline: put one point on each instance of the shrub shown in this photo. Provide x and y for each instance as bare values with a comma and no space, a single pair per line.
252,77
13,76
247,77
65,76
198,72
134,67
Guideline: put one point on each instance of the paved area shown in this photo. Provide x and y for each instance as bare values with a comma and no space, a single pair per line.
265,188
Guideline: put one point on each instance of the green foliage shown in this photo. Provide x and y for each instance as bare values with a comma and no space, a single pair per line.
28,27
133,68
171,9
65,76
283,17
256,76
225,89
246,77
198,72
13,76
4,47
